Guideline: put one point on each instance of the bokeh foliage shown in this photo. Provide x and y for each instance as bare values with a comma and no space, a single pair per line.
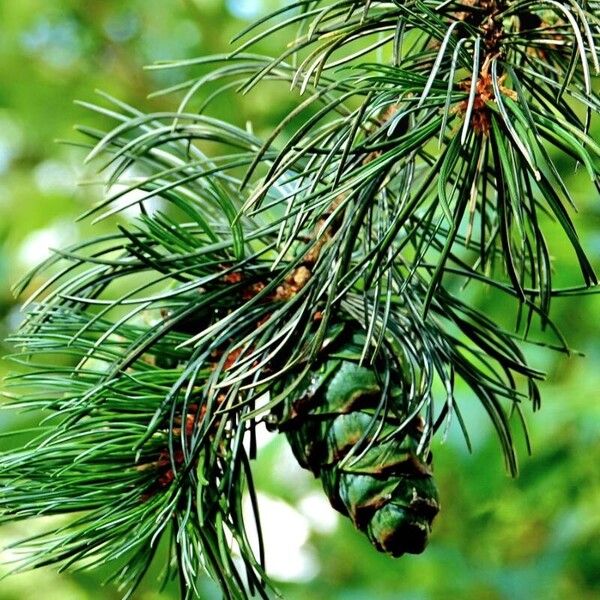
534,537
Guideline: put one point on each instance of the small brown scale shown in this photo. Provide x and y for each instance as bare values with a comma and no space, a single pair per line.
484,95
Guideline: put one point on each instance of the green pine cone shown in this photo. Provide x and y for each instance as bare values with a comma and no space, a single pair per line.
370,470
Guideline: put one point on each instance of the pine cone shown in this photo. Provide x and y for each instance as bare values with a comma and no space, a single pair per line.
340,428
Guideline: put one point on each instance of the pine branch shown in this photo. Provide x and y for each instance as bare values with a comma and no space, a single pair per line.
338,243
498,84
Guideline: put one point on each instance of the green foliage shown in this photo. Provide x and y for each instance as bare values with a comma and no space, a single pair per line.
423,157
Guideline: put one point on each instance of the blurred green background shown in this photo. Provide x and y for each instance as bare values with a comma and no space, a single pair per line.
496,538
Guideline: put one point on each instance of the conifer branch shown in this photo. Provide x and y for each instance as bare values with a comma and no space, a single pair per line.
420,158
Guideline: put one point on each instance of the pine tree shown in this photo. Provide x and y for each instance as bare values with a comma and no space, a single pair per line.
322,281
